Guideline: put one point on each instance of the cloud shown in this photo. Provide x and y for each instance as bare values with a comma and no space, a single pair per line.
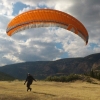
32,46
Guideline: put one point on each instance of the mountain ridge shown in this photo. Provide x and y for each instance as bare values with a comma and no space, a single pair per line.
42,69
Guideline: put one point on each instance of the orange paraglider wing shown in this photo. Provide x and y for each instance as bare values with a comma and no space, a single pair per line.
44,18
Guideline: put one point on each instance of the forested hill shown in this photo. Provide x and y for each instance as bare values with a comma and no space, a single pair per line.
42,69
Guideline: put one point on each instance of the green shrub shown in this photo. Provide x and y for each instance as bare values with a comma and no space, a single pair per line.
63,78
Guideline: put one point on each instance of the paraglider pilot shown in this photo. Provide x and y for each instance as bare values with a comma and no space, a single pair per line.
29,81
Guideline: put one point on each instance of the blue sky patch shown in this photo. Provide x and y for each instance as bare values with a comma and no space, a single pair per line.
93,45
18,6
64,55
59,45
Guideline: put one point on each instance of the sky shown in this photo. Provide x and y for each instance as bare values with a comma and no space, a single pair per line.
48,43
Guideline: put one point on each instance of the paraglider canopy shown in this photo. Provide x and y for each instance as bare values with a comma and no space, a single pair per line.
46,18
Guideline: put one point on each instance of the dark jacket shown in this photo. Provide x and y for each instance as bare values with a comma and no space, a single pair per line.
30,79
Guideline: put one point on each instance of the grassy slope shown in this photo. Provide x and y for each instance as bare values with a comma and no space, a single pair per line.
16,90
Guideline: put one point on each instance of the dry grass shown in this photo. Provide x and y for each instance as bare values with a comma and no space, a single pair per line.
16,90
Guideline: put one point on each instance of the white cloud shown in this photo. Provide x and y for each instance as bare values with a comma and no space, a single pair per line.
12,58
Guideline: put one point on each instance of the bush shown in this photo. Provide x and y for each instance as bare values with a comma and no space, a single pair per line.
63,78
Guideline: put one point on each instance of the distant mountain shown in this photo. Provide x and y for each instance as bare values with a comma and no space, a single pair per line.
6,77
42,69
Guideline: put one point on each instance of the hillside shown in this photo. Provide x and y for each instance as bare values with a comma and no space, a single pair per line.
6,77
42,69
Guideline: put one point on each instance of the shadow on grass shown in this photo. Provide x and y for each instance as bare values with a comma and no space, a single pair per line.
44,93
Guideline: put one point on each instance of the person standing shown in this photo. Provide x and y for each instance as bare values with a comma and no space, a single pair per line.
29,81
